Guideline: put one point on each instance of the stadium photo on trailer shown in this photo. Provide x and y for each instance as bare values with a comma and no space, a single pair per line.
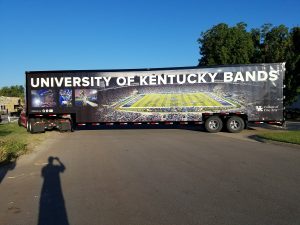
165,103
167,100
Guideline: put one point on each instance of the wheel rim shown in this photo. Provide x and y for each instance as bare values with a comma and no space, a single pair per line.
234,124
213,124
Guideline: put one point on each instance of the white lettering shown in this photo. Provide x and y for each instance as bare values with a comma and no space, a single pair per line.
76,82
34,84
262,75
228,76
162,79
44,82
130,80
143,80
98,80
106,80
250,76
273,75
58,81
212,76
183,79
152,80
121,81
85,82
201,78
68,82
171,76
239,77
189,80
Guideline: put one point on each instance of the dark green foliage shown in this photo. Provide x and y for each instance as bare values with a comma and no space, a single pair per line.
12,91
269,44
226,45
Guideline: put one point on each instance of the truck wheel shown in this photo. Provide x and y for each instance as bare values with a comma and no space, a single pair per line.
213,124
27,125
235,124
31,126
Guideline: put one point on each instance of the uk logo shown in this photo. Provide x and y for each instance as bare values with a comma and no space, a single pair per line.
259,108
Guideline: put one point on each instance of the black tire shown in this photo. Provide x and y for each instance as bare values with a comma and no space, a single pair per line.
27,126
31,126
235,124
213,124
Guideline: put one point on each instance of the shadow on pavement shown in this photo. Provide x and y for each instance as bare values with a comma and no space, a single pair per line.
191,127
52,205
256,138
142,126
4,168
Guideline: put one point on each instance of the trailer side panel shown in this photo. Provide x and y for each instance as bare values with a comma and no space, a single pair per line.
151,95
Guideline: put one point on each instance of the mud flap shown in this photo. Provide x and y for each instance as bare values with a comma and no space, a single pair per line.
64,125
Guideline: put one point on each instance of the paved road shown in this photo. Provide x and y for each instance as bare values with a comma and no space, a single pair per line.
151,176
293,125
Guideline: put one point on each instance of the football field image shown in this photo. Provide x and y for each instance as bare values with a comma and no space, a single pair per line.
199,99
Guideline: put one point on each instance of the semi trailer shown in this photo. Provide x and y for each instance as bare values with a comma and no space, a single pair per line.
227,96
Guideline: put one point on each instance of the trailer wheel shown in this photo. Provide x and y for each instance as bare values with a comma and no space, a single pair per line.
29,125
235,124
213,124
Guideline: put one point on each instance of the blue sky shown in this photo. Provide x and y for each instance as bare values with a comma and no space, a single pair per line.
90,34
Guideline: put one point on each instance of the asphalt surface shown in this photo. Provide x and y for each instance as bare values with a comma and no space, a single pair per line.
152,176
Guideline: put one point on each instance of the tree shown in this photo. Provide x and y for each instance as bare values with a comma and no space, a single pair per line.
226,45
12,91
268,44
295,34
276,45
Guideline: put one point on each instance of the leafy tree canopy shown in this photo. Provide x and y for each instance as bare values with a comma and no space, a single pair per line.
223,44
226,45
12,91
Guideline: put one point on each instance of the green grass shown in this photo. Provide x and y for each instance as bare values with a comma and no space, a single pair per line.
14,141
173,100
282,136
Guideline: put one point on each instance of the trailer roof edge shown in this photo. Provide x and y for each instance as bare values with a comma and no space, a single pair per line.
150,69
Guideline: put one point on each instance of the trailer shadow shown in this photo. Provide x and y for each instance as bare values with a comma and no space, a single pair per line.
191,127
143,127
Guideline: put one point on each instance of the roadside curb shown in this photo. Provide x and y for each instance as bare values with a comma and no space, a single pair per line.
268,141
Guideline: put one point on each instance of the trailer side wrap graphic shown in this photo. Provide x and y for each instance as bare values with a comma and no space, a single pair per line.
171,94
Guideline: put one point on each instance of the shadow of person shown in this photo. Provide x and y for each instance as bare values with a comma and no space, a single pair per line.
52,205
5,168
